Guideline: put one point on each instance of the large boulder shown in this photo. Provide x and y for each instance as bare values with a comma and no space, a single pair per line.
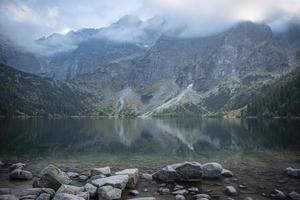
20,174
133,176
51,177
117,181
212,170
187,171
109,193
101,171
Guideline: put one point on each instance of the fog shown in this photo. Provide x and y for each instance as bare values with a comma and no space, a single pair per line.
27,20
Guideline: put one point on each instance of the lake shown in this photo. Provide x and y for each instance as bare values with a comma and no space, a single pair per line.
143,142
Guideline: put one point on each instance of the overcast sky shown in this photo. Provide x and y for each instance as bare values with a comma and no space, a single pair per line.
30,19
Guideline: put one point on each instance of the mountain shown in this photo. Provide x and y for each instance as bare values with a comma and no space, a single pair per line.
279,100
27,94
145,68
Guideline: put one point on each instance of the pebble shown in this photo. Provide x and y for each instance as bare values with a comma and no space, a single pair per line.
231,191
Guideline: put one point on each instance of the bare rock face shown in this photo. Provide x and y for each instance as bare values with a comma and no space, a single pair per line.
109,193
51,177
188,171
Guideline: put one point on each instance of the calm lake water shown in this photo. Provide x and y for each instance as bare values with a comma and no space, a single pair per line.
143,141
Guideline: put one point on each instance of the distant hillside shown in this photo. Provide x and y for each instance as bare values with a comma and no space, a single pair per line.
281,99
27,94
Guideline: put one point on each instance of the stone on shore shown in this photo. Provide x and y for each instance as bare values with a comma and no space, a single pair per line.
37,191
133,176
187,171
227,173
147,176
202,196
33,197
294,196
178,187
51,177
70,189
144,198
65,196
182,192
134,192
109,193
17,166
85,195
20,174
101,171
117,181
212,170
72,174
4,191
179,197
279,194
293,172
91,189
8,197
82,178
231,191
44,196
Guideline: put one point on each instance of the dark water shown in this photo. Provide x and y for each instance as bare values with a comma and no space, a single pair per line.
87,139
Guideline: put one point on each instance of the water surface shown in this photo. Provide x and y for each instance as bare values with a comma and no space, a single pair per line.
144,141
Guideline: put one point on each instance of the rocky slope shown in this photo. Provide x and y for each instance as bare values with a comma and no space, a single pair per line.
27,94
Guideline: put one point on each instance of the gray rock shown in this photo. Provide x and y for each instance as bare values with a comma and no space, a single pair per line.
147,176
248,198
109,193
82,178
20,174
201,196
72,174
164,190
101,171
227,173
188,171
44,196
65,196
85,195
231,191
179,197
37,191
5,191
193,189
293,172
117,181
133,176
294,195
279,194
134,192
28,197
91,189
182,192
70,189
212,170
17,166
1,164
8,197
96,177
144,198
51,177
178,187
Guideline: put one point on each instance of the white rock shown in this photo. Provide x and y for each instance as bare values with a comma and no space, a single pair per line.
193,189
133,176
117,181
109,193
82,178
202,196
101,170
134,192
147,176
182,192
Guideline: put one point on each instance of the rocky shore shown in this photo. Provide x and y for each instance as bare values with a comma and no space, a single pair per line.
187,180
